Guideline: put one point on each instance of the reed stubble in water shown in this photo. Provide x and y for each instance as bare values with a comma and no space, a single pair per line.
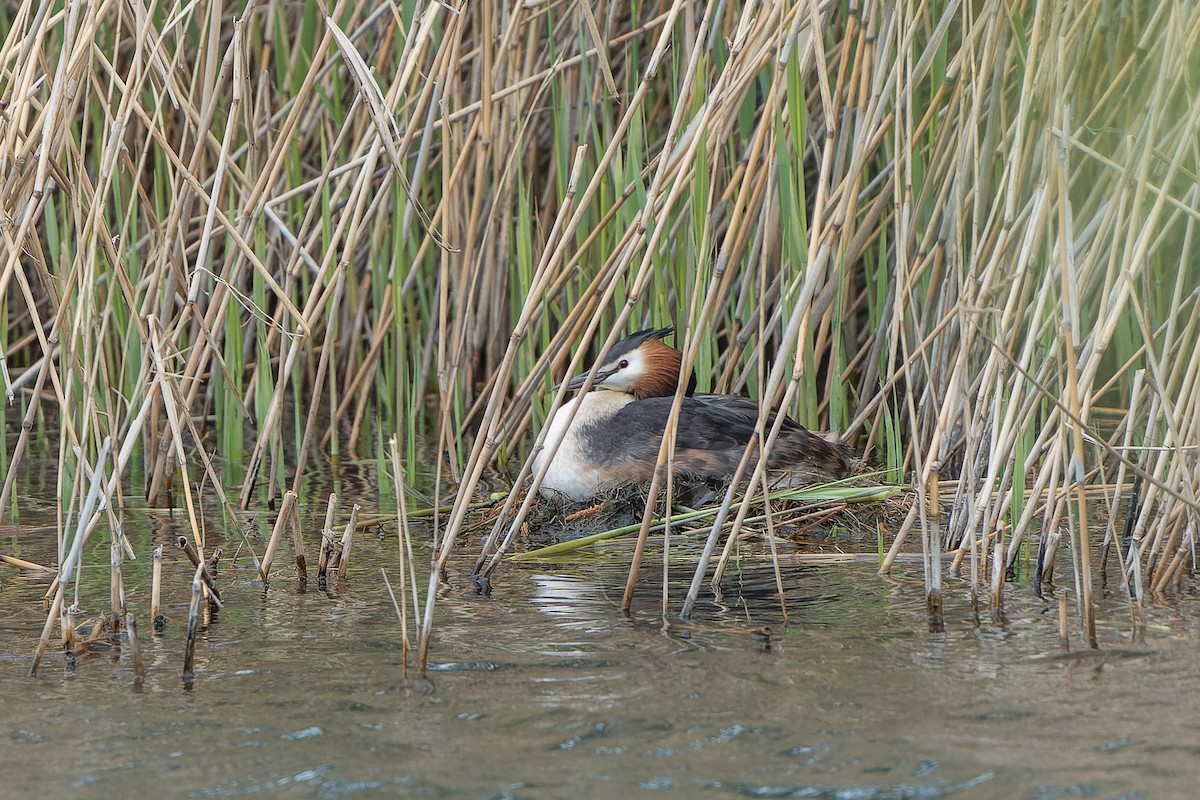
339,558
326,548
156,614
193,624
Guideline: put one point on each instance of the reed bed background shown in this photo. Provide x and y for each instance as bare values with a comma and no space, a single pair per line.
238,238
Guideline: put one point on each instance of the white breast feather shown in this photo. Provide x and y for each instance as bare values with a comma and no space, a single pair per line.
572,471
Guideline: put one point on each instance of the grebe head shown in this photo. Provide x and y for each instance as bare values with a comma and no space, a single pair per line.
641,365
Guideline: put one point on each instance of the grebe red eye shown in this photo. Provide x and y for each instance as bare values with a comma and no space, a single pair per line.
623,363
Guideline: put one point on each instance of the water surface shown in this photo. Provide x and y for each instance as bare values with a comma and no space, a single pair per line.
546,690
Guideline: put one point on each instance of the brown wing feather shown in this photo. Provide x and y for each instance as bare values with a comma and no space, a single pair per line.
713,433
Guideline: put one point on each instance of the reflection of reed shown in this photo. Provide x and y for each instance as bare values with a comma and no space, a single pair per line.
193,625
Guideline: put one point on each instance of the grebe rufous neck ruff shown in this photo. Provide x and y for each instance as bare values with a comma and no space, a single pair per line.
614,437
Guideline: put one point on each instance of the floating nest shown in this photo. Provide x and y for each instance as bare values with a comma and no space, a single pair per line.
813,515
561,520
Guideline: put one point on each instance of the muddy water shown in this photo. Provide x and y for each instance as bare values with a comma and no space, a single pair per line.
546,691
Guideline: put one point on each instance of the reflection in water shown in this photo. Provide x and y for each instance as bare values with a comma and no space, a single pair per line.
547,690
573,601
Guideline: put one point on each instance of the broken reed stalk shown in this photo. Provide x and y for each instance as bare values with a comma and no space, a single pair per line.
193,625
997,590
341,555
210,583
326,547
298,549
159,620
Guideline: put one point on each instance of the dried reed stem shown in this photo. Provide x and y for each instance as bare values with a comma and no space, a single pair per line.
160,621
343,547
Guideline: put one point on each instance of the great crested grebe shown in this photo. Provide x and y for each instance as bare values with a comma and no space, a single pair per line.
614,437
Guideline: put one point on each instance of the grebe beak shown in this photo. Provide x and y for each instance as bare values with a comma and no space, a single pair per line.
579,380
